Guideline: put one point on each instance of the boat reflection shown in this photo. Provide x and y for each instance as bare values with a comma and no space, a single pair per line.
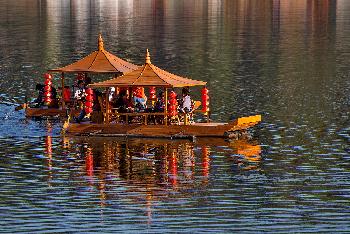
149,170
161,163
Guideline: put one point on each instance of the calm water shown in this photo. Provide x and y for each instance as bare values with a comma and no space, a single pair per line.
287,60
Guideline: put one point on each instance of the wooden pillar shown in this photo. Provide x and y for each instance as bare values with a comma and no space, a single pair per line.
166,106
107,107
62,98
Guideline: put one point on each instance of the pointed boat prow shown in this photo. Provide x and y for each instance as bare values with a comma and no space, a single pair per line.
245,122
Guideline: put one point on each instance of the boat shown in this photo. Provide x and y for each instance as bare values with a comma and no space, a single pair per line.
100,61
174,124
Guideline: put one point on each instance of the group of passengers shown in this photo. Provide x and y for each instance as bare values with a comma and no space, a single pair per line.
138,103
76,94
121,101
40,100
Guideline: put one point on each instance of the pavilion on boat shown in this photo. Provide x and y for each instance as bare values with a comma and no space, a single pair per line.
163,123
150,76
99,61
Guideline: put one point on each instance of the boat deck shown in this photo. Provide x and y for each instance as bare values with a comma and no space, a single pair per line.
211,129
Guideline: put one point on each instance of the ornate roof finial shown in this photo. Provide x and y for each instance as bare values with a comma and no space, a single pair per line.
148,57
100,42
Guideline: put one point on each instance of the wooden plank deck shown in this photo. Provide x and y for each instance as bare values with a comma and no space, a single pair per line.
170,131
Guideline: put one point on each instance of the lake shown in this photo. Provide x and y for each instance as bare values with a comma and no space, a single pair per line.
286,60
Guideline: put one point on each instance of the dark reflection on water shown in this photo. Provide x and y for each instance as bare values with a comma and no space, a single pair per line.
287,60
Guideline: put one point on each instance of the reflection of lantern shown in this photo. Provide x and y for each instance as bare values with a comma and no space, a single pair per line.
89,101
205,100
47,88
89,162
172,109
48,149
205,161
173,168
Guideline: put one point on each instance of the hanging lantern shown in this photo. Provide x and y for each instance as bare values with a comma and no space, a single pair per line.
205,100
152,93
47,89
47,76
89,103
172,109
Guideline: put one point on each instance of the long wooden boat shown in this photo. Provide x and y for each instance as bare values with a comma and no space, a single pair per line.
150,76
234,129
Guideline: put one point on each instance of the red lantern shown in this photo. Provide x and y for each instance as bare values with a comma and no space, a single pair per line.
89,100
47,82
172,104
89,104
173,101
152,92
47,100
48,76
172,95
88,110
205,100
89,91
47,88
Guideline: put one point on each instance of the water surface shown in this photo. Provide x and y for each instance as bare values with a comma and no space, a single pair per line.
286,60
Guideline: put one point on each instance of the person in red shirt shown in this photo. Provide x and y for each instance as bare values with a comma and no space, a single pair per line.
66,94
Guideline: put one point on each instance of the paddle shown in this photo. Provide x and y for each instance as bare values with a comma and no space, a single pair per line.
22,106
66,123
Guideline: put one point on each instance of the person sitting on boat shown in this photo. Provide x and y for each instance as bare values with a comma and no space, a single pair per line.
54,102
66,94
112,94
159,106
80,94
160,103
122,103
140,99
96,106
39,101
87,80
186,106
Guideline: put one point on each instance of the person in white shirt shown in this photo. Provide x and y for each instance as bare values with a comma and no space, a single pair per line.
111,94
186,101
80,92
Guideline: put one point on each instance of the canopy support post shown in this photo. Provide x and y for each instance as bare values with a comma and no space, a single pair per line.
62,91
107,107
166,106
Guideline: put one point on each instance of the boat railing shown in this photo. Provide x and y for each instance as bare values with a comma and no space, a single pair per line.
127,117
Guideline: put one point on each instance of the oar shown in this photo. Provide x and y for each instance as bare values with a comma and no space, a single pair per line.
66,123
22,106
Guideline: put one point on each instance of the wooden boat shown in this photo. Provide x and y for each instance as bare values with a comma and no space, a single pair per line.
100,61
49,112
149,76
